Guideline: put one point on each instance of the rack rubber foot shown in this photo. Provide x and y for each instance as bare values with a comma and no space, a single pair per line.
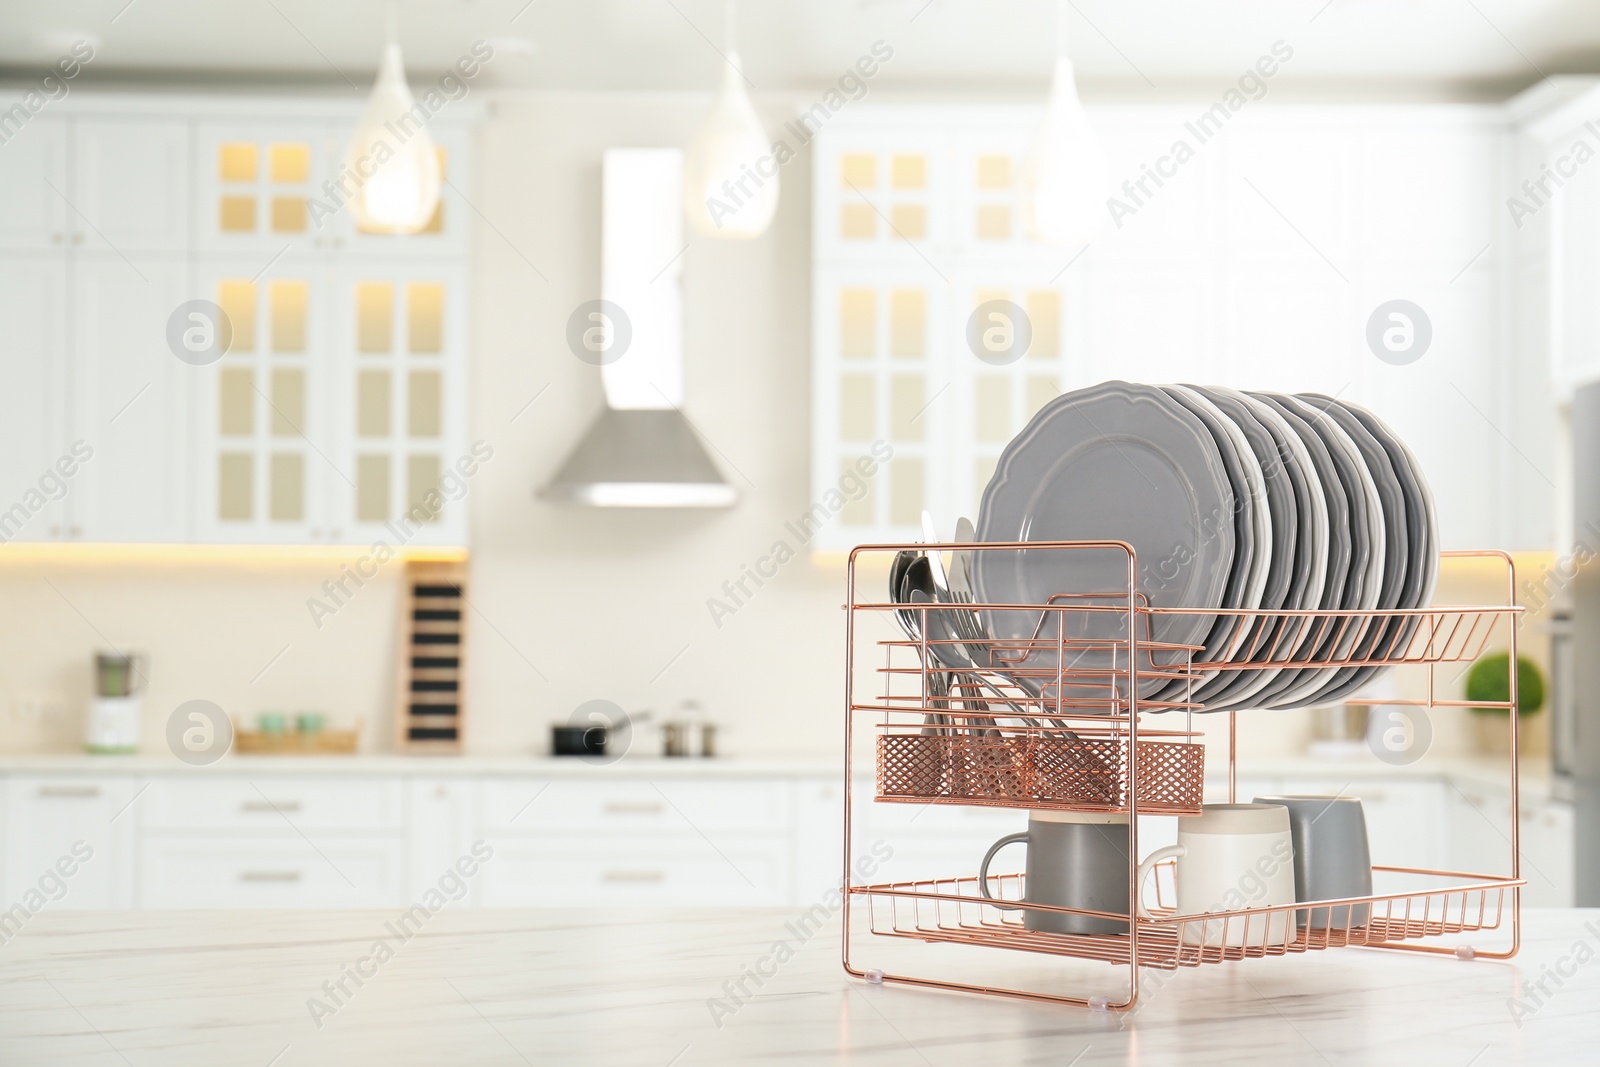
874,976
1466,952
1099,1003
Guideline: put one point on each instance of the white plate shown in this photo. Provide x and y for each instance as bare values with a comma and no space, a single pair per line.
1252,524
1299,543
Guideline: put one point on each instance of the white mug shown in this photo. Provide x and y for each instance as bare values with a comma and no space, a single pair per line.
1232,857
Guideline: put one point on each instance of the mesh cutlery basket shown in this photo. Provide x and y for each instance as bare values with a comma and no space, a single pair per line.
1090,773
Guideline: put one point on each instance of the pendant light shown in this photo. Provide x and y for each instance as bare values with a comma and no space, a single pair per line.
1064,172
730,174
392,157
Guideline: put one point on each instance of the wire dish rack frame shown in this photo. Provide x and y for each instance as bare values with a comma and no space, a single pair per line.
1052,721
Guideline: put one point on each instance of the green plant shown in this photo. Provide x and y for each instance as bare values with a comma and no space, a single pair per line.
1490,680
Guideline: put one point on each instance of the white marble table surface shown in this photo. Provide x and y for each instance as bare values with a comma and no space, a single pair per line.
595,988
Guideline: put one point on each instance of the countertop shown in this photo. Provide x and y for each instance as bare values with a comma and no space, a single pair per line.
596,988
1479,772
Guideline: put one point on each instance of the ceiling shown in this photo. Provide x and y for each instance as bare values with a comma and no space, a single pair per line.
1140,47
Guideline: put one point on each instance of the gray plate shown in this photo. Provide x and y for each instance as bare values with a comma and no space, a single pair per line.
1367,546
1290,567
1111,462
1422,527
1317,641
1252,529
1397,583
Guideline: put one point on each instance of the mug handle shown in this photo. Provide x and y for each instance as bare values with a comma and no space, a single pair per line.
1169,852
983,868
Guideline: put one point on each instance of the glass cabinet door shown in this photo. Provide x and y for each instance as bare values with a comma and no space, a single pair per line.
266,455
258,185
401,405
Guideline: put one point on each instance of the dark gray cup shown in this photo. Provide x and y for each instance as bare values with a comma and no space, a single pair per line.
1331,857
1075,860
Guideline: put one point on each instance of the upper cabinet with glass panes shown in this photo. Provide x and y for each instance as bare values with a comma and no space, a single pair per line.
917,237
337,413
284,187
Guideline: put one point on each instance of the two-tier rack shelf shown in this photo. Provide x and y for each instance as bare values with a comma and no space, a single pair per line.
1090,711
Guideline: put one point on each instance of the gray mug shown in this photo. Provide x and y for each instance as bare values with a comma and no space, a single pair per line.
1075,860
1331,857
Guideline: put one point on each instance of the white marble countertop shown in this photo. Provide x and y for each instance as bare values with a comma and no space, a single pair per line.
596,988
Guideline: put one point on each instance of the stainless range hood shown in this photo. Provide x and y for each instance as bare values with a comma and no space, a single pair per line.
641,452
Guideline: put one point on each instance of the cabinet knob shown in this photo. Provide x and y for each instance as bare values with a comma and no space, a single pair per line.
75,531
77,238
55,531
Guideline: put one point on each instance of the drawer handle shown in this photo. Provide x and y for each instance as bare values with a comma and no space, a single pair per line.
269,805
269,876
622,807
634,876
65,791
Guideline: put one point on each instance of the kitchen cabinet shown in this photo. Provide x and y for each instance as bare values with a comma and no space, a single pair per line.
33,436
279,872
263,182
1479,841
79,823
264,462
232,842
342,837
1257,266
128,403
669,843
1548,855
342,403
33,186
130,186
439,830
398,432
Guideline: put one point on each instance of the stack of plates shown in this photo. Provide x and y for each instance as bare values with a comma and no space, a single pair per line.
1258,501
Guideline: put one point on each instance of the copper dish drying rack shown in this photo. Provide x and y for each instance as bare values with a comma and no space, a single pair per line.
1052,721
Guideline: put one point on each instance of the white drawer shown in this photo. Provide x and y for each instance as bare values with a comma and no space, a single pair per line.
272,803
934,819
667,806
539,872
270,874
